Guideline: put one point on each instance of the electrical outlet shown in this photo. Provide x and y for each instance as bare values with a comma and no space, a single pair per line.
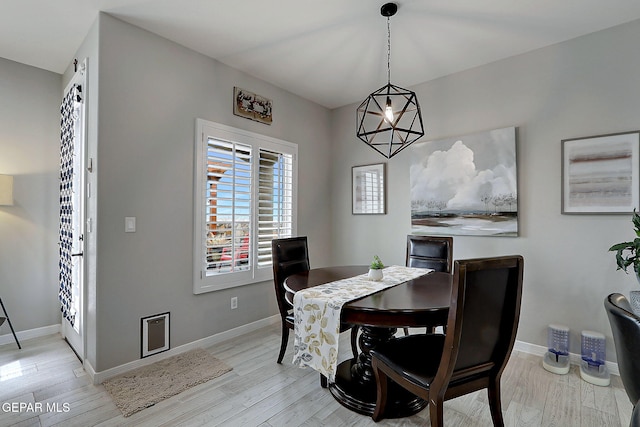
234,303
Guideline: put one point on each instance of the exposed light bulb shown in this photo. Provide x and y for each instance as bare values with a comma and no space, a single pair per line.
388,111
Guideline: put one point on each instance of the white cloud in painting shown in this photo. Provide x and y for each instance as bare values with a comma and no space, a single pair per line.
451,176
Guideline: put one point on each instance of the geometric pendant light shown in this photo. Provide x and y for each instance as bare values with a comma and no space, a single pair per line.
389,120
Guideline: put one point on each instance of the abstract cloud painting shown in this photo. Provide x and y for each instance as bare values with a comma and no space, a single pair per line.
465,185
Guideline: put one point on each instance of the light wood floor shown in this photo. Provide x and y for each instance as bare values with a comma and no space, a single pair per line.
259,392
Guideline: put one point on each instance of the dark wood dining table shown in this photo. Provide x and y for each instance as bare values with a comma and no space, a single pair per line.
420,302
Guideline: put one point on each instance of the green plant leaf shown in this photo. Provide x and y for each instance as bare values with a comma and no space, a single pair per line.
621,246
636,222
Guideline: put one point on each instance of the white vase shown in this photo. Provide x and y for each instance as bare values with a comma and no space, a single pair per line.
634,301
375,274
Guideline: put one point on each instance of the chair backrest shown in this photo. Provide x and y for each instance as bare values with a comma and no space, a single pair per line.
625,326
483,317
430,252
289,256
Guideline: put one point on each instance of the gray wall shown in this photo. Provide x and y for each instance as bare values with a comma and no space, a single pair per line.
587,86
29,135
151,92
145,94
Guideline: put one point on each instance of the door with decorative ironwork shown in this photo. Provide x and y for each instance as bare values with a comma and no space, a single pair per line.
72,211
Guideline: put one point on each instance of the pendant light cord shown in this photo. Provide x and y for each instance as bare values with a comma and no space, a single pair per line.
388,51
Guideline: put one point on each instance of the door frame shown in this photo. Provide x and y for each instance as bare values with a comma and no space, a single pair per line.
77,339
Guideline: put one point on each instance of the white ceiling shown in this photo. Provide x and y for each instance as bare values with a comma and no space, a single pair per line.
332,52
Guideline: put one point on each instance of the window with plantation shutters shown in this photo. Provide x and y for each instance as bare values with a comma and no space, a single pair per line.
245,193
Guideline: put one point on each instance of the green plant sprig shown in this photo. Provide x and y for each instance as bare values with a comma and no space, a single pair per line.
628,253
376,264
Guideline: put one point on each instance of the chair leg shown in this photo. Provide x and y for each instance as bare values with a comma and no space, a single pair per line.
436,411
382,382
354,341
495,403
10,325
285,340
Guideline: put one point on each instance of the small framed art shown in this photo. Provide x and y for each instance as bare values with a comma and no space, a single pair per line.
600,174
251,106
369,189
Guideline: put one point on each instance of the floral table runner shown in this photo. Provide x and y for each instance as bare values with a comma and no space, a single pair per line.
317,315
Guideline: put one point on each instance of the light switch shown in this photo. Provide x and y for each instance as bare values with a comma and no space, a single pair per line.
130,224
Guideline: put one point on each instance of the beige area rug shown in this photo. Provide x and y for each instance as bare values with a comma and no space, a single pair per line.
148,385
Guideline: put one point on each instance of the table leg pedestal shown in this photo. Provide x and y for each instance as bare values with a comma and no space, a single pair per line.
355,384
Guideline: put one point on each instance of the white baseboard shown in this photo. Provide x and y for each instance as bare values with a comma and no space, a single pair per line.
31,333
99,377
539,350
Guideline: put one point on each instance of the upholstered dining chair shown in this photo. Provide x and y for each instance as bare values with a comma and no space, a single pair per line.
625,326
481,330
430,252
291,256
434,252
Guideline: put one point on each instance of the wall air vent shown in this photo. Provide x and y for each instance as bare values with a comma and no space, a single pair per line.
154,331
